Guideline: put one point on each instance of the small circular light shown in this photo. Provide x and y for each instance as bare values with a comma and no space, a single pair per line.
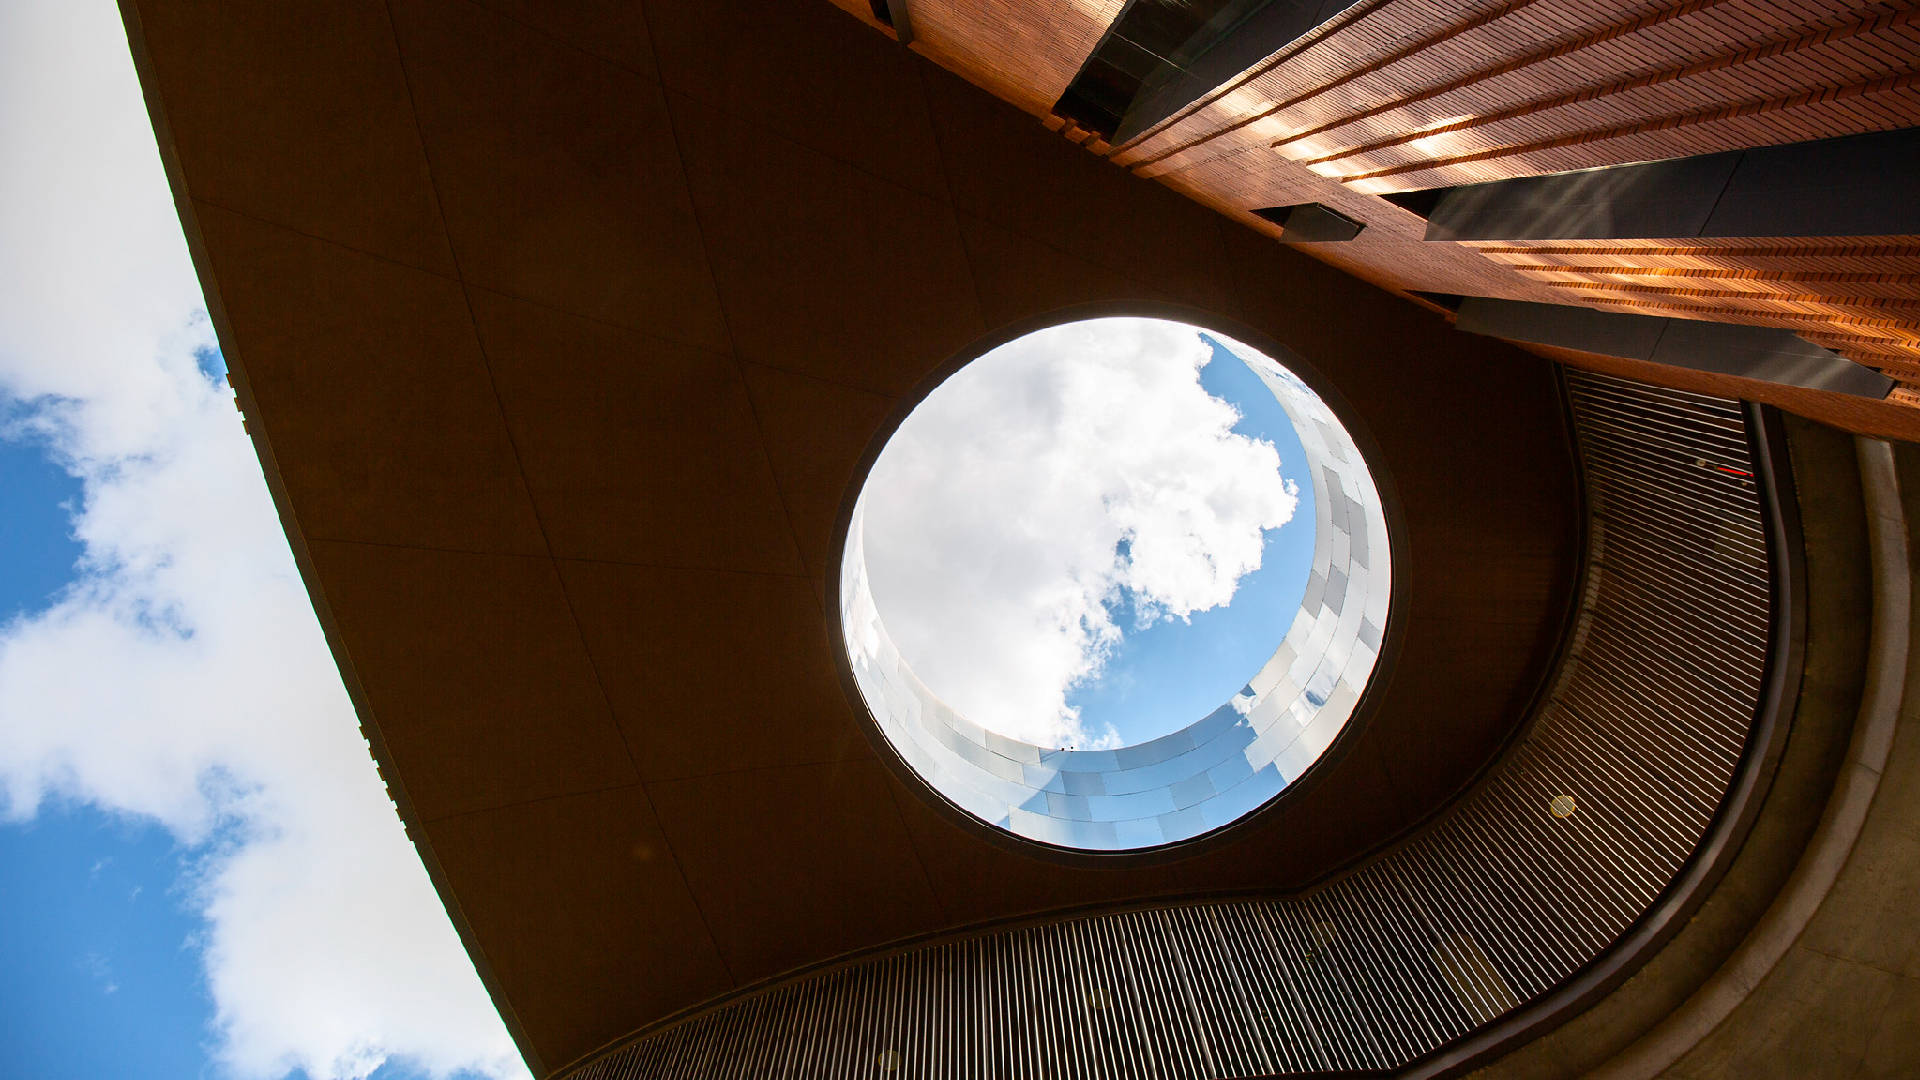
1562,806
888,1060
1098,999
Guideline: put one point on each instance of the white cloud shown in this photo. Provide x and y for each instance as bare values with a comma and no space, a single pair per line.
183,677
995,516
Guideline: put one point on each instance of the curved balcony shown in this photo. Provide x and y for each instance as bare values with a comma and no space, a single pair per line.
1578,851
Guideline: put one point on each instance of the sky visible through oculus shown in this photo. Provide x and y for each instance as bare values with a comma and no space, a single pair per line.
1093,535
1163,677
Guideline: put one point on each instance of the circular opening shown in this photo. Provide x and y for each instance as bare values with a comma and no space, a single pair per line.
1115,584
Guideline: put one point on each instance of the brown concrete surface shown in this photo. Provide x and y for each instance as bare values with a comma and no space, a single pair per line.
561,332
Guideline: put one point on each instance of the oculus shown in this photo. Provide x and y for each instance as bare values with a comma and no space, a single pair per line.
1115,584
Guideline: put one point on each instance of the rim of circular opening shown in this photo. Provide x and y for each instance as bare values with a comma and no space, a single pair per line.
1213,773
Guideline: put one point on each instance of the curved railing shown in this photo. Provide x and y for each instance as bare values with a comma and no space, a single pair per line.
1611,796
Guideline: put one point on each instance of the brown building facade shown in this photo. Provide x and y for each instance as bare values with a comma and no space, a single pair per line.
1388,97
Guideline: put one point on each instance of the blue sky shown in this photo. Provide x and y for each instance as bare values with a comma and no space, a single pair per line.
101,980
103,973
1091,535
37,555
99,977
101,948
200,874
1164,677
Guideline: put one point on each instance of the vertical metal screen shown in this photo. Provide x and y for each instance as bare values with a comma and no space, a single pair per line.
1525,881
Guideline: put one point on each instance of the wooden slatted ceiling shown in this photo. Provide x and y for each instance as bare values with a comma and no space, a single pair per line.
1857,296
1024,51
1398,95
